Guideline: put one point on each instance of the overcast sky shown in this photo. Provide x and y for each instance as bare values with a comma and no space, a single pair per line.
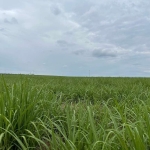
75,37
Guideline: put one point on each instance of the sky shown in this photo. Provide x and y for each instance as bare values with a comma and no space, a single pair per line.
75,37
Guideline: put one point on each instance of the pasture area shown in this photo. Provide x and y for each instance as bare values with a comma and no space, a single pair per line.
74,113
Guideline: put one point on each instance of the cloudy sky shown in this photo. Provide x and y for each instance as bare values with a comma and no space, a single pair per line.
75,37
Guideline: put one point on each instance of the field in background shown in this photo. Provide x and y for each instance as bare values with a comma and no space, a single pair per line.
72,113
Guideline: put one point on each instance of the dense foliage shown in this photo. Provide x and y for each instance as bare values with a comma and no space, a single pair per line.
74,113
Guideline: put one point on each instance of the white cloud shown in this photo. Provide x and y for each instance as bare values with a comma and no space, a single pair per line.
75,33
147,71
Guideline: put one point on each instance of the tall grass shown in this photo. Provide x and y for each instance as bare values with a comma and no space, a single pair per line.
58,113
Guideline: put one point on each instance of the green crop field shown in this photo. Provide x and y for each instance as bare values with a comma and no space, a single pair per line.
74,113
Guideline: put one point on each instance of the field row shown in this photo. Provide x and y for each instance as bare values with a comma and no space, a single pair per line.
64,113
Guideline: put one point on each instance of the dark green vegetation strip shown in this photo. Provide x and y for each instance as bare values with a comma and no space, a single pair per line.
72,113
